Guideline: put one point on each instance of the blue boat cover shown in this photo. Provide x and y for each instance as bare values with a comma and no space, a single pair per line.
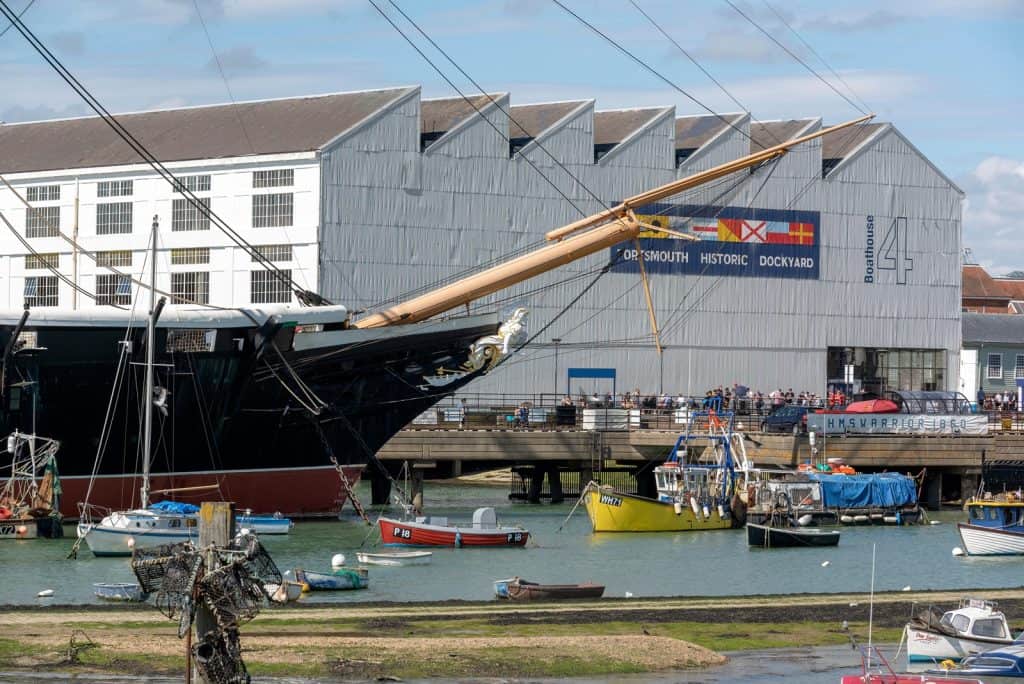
176,507
866,491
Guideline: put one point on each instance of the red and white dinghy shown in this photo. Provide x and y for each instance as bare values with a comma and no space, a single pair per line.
437,531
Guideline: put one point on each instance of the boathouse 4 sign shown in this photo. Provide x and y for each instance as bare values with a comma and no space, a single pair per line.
733,241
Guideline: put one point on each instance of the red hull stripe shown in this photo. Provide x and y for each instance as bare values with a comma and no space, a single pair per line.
295,492
411,534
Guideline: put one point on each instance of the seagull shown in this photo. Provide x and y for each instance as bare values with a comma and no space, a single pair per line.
629,594
846,626
906,588
825,564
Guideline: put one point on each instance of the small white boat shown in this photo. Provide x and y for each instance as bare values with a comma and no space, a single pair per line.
974,627
264,524
119,591
285,592
395,558
121,532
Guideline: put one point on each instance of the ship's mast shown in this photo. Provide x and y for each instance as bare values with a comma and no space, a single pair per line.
574,241
147,397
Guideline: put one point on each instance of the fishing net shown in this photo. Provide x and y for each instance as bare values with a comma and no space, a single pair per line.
232,594
218,657
257,561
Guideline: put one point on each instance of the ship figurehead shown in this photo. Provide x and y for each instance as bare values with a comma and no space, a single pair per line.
486,352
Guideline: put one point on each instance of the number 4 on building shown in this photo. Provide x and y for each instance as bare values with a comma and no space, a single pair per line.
893,251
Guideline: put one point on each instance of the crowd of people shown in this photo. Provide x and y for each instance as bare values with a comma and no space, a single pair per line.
1000,401
738,397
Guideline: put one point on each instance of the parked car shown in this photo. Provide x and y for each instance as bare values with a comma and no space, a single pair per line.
786,418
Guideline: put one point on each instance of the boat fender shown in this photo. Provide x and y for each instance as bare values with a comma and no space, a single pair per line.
846,519
678,508
5,512
694,506
805,520
458,539
707,512
721,511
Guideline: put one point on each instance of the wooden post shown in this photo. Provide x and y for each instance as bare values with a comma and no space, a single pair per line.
216,529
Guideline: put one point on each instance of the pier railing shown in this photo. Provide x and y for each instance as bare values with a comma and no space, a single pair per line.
547,411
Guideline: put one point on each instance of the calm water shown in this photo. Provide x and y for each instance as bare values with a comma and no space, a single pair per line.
693,563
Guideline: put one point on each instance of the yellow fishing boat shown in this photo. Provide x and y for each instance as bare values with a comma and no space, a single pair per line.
612,511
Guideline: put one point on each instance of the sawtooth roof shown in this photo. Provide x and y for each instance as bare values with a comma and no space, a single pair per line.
439,116
529,121
612,127
299,124
765,134
838,144
694,131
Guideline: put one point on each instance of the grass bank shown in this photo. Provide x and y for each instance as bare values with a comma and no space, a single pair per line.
464,639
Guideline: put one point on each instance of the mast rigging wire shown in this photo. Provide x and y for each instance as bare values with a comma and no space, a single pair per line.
794,56
815,53
304,296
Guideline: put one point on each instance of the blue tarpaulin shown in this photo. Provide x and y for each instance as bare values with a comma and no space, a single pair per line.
881,490
176,507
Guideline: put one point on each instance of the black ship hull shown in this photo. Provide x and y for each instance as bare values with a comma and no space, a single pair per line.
256,409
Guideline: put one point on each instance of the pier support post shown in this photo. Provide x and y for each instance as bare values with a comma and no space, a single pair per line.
380,484
216,528
645,484
555,484
456,468
536,483
933,490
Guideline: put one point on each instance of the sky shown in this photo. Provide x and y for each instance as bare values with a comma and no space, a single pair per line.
947,73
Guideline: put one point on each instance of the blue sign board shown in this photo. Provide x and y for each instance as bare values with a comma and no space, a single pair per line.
733,241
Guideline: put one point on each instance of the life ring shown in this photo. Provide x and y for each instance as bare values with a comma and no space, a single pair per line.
5,513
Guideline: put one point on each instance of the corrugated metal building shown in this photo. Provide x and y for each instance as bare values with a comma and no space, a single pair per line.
845,253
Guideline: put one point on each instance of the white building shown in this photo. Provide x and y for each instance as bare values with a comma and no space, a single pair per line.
844,253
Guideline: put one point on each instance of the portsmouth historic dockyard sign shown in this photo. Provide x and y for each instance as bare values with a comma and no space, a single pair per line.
897,423
734,241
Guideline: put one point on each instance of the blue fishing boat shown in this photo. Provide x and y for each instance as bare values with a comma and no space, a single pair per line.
339,580
1001,664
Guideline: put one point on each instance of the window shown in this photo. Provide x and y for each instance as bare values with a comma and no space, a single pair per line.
961,623
995,367
114,188
43,193
42,222
1018,370
989,627
115,258
274,252
192,285
271,287
193,184
272,210
189,340
35,262
113,289
190,255
276,178
113,218
185,216
41,291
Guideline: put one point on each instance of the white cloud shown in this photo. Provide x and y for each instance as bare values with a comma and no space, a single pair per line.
995,203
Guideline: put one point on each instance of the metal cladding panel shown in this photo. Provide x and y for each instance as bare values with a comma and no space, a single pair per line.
384,235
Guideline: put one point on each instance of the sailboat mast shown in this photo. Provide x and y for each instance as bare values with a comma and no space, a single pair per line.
147,397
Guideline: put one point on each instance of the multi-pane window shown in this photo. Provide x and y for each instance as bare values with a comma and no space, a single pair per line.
271,287
1018,370
43,193
190,255
113,289
185,216
113,218
193,286
273,252
36,262
114,258
42,222
995,367
270,210
41,291
121,188
274,178
193,183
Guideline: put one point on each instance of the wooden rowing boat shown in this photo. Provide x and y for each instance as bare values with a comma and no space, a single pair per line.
517,589
394,558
